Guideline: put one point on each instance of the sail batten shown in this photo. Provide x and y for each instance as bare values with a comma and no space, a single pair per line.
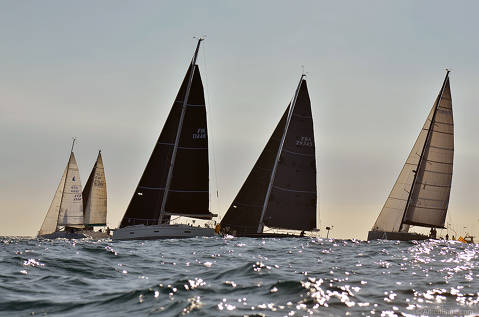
420,195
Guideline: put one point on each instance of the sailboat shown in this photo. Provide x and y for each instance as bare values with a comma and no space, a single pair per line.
280,191
420,196
95,200
175,181
65,215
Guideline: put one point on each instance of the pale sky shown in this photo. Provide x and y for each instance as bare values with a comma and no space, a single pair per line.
107,72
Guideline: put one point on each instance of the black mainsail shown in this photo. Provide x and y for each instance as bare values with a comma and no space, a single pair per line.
280,191
175,180
420,195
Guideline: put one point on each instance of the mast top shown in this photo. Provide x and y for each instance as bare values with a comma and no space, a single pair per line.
73,144
193,61
303,73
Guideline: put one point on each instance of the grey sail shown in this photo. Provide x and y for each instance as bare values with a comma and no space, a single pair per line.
280,191
94,196
420,195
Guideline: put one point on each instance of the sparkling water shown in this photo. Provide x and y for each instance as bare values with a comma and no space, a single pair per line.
238,276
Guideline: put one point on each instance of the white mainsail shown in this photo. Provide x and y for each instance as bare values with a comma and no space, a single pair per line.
49,224
95,197
430,197
432,159
71,206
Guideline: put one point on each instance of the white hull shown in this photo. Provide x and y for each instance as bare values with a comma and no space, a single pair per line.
164,231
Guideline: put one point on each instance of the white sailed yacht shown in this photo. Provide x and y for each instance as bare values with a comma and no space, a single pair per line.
420,196
175,181
65,215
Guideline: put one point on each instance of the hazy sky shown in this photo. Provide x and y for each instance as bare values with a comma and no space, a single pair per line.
107,72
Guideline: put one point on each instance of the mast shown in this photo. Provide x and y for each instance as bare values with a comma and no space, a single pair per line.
178,132
421,157
273,173
66,177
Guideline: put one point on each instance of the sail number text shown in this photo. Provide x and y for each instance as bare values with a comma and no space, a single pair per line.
200,134
304,141
75,190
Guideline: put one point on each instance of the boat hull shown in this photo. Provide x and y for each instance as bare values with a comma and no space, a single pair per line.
401,236
269,235
95,235
164,231
62,235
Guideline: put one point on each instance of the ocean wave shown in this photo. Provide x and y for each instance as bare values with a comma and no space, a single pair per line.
237,277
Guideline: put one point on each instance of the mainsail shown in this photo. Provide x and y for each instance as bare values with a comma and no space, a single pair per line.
176,178
280,190
420,195
94,196
71,206
66,208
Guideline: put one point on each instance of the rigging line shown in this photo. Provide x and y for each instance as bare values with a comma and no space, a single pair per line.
210,118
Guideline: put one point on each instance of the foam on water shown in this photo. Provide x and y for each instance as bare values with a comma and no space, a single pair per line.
237,276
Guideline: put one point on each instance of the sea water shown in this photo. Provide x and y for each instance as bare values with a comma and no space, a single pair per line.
219,276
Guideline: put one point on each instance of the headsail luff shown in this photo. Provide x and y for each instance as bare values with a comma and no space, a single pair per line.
95,196
71,206
432,158
188,192
291,203
49,224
